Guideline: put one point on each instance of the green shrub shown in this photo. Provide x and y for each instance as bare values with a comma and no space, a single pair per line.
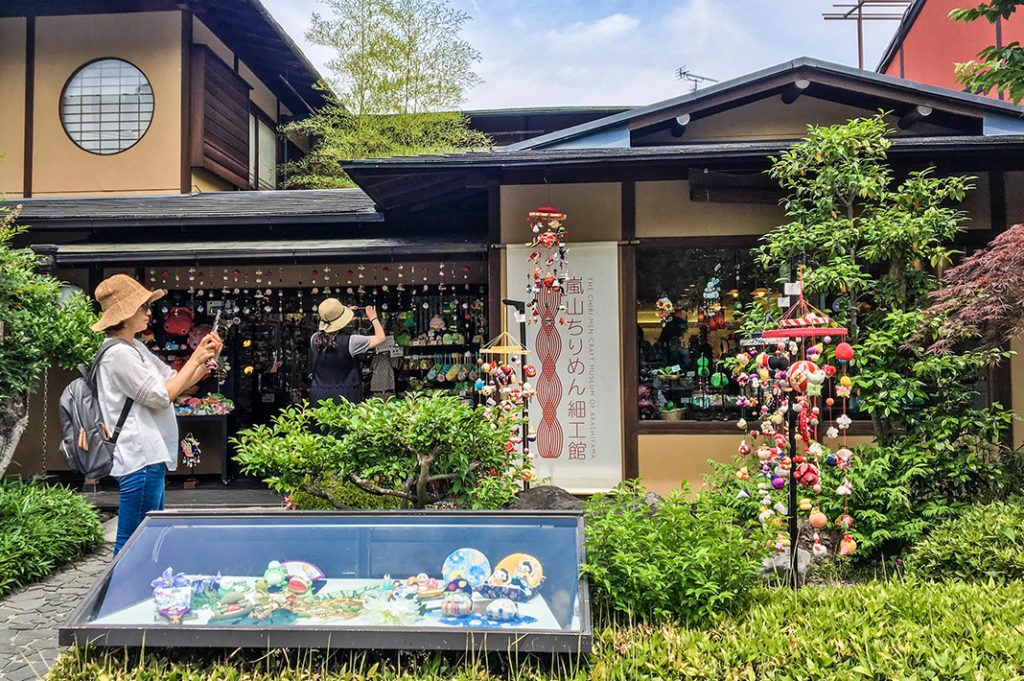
899,494
345,492
421,449
42,528
687,558
982,543
899,631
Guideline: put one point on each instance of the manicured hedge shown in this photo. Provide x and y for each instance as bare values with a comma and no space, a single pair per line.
900,631
41,529
984,542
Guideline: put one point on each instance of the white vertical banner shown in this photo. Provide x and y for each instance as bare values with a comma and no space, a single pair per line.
577,411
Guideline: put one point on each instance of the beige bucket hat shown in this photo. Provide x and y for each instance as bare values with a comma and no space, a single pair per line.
333,315
120,297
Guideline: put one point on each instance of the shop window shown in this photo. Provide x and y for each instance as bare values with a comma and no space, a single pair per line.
262,153
690,310
689,315
106,106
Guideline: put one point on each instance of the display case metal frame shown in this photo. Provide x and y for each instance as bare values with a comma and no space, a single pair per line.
78,630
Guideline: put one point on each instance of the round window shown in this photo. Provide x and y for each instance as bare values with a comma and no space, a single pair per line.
107,106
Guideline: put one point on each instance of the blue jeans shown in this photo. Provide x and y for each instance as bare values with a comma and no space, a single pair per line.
141,492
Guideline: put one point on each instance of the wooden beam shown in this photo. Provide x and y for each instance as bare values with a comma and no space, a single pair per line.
679,124
495,309
794,90
631,353
917,113
997,200
186,97
30,102
763,87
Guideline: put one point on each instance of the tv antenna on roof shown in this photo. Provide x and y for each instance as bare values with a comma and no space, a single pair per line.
866,10
683,74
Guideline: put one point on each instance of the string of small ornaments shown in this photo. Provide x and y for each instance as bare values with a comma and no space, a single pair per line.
546,282
795,357
505,396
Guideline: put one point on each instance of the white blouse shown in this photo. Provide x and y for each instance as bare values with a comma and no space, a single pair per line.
150,433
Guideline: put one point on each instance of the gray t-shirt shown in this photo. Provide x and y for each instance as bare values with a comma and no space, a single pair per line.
357,345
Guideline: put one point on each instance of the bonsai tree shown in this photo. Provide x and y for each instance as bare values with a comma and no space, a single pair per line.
422,448
37,328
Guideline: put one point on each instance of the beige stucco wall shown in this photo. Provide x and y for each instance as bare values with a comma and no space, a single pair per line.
1014,182
668,460
770,119
594,210
204,181
12,106
1017,388
663,208
202,35
977,203
260,94
149,40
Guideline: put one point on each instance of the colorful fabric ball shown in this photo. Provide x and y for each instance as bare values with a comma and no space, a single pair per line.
502,610
801,373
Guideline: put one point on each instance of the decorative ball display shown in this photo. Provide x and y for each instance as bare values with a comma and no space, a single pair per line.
793,418
803,372
457,604
503,610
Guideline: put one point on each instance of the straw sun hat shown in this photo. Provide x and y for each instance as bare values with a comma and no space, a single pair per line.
333,315
120,297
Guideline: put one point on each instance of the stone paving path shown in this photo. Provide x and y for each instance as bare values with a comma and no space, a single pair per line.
30,616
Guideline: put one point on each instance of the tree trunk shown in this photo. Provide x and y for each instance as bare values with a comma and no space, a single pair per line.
13,419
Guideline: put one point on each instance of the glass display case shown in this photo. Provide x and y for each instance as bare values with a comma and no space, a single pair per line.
385,580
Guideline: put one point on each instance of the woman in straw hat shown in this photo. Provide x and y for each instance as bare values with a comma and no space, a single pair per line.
336,355
148,444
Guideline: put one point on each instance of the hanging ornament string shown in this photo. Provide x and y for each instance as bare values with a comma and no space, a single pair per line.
787,381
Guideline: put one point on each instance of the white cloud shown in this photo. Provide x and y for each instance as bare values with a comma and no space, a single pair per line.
625,52
594,34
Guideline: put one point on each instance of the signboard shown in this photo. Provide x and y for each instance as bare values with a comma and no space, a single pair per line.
577,411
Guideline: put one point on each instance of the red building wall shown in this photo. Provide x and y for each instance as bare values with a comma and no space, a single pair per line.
934,43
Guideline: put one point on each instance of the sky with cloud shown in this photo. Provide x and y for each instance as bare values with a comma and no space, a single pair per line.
625,52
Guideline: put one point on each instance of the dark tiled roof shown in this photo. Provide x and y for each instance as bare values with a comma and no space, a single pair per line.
212,208
850,78
507,158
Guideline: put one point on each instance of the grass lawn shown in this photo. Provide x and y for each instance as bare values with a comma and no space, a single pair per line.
904,629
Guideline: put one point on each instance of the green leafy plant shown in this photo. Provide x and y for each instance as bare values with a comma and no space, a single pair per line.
868,244
38,328
42,528
420,449
999,68
400,72
903,630
686,559
984,542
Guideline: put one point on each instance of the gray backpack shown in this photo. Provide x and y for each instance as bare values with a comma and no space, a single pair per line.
87,443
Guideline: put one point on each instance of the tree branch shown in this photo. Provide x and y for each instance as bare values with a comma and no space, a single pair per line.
375,489
318,491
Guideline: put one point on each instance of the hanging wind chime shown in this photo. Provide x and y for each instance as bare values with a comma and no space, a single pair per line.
786,388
